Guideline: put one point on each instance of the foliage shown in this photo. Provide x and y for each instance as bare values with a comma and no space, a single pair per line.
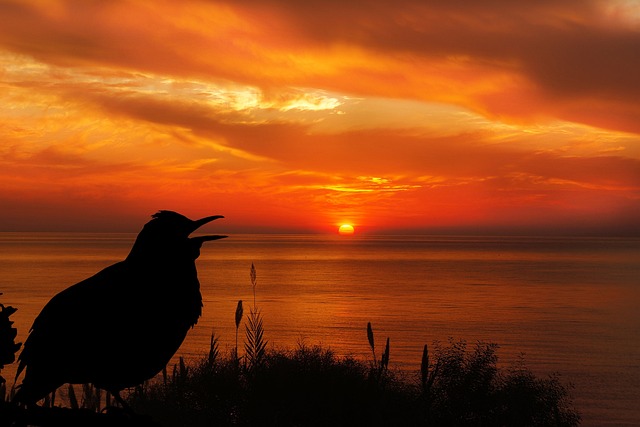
311,386
255,345
464,387
305,386
8,346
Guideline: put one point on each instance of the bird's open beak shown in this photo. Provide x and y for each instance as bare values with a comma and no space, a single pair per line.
202,239
200,222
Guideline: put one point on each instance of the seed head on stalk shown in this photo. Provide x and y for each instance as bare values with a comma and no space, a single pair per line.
370,338
239,312
254,282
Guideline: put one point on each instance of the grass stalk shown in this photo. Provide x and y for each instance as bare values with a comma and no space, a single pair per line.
239,313
214,350
73,400
371,343
255,345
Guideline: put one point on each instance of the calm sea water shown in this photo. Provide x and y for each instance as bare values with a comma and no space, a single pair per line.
570,305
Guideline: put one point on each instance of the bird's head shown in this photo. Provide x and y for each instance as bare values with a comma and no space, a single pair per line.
167,234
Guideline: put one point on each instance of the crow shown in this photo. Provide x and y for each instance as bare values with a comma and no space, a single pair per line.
121,326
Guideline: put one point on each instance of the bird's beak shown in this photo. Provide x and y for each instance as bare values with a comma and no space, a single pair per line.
200,222
202,239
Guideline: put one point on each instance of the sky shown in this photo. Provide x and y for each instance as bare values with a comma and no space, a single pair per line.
405,116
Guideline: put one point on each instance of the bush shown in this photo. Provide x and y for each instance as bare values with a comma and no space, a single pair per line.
311,386
468,389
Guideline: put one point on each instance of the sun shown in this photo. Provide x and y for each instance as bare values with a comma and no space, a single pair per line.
346,229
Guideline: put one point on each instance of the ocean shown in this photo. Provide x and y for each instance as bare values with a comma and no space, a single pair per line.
565,305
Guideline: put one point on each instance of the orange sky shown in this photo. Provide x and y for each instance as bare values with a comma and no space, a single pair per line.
454,115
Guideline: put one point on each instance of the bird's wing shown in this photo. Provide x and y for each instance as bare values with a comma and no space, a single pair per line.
71,319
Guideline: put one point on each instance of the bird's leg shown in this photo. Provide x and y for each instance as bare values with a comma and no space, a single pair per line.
121,401
127,412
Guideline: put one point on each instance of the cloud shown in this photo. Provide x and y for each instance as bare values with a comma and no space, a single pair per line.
441,112
224,133
574,60
567,51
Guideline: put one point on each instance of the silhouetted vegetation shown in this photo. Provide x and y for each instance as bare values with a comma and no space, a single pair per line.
8,346
256,345
311,386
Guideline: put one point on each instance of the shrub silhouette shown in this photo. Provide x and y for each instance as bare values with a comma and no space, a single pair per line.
8,346
311,386
467,388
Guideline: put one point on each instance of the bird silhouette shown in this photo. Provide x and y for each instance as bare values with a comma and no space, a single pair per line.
121,326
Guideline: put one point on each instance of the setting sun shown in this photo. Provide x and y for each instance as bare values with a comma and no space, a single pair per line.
346,229
371,120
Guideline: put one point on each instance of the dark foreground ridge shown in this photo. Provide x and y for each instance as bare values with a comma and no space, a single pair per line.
12,415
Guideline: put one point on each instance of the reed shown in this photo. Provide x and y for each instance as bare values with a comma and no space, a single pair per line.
370,338
424,368
254,281
384,362
91,397
380,368
428,373
255,345
239,312
214,350
73,400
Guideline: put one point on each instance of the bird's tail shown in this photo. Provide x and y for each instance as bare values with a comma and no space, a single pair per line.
18,397
29,393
